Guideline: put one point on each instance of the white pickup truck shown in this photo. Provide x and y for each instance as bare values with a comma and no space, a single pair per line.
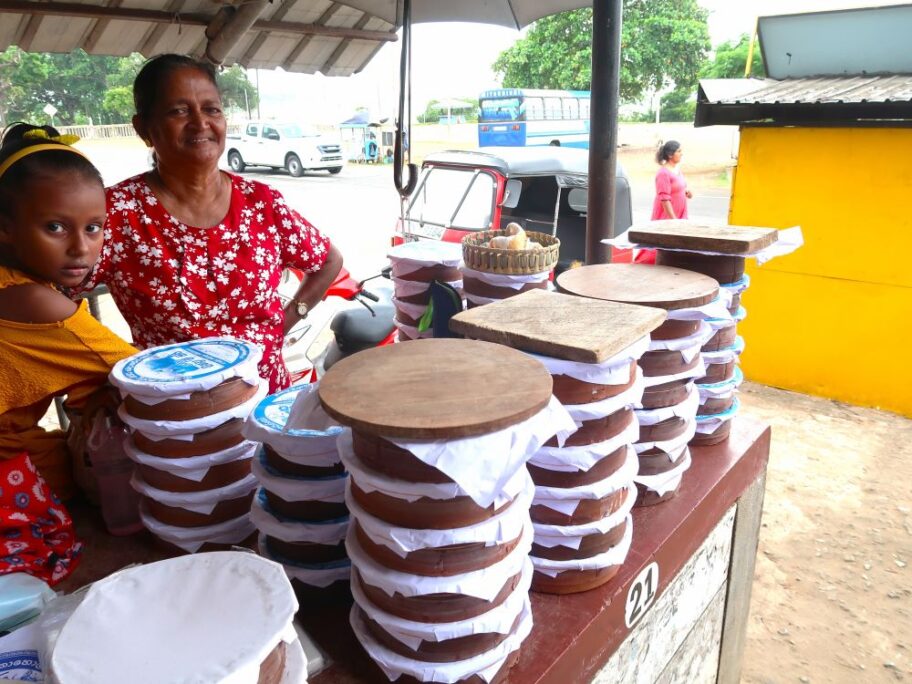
290,146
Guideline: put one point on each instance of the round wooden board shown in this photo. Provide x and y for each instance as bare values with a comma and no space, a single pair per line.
660,286
436,388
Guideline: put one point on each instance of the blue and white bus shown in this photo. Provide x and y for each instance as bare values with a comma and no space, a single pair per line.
520,117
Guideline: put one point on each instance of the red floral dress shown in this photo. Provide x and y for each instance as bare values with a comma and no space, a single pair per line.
174,282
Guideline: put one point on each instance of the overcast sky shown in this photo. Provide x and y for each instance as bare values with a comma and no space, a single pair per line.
454,61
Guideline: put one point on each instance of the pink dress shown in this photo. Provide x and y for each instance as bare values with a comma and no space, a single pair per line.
670,186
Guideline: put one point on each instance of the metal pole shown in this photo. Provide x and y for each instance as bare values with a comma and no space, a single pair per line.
606,73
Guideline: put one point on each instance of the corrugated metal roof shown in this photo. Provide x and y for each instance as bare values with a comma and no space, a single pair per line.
298,35
849,89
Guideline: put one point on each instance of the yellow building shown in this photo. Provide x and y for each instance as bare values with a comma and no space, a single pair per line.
834,318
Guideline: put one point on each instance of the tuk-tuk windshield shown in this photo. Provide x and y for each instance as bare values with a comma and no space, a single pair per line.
451,198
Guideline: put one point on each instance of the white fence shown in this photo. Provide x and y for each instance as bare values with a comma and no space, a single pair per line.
115,131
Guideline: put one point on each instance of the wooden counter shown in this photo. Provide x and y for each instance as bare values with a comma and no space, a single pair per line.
703,541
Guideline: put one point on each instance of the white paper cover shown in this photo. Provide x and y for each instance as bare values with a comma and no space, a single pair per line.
326,489
717,308
616,555
414,310
612,371
669,446
178,369
603,408
191,539
725,355
503,527
329,532
698,371
499,620
193,468
483,465
410,288
371,481
319,575
687,409
712,422
568,459
199,502
486,665
667,481
514,282
572,536
168,429
413,331
293,424
685,345
478,300
740,315
233,609
552,497
722,389
412,256
484,584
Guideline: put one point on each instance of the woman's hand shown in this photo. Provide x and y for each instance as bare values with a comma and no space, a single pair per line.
688,194
313,287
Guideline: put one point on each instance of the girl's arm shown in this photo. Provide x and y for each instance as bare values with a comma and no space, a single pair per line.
669,211
34,303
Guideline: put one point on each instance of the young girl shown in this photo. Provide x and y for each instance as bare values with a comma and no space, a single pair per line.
52,214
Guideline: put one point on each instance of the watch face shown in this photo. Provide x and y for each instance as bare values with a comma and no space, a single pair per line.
302,309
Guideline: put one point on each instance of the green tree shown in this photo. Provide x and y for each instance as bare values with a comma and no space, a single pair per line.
237,90
118,104
678,105
662,42
730,60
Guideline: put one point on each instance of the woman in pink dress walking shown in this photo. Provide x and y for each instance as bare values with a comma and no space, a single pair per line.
671,188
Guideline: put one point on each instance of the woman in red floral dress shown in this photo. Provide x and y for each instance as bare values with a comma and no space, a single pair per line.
192,251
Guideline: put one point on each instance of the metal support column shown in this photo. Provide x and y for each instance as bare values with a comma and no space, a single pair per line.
606,74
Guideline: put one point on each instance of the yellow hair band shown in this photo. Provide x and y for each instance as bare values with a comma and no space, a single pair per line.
32,149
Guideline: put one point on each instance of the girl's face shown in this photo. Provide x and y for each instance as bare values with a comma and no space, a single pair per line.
56,230
676,157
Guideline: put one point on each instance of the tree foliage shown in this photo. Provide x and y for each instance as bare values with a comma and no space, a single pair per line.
85,87
678,105
731,58
237,90
662,42
434,111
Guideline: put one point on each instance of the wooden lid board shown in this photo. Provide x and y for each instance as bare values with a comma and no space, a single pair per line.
703,237
559,325
435,388
660,286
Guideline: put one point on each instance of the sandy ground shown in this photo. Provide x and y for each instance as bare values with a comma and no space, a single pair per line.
831,595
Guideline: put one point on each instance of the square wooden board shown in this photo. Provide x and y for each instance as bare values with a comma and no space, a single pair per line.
559,325
703,237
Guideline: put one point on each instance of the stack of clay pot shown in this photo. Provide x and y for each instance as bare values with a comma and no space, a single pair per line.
584,482
415,265
667,411
185,404
720,252
439,499
721,353
299,508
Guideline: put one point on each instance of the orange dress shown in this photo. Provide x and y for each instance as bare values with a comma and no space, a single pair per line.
40,361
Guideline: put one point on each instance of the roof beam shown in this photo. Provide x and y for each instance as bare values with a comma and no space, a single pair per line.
157,31
37,10
98,28
341,47
261,37
298,49
29,31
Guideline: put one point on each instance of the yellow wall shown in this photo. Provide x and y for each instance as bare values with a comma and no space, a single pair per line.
835,317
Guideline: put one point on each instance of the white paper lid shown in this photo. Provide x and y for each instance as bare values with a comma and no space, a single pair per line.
194,366
267,423
428,252
212,617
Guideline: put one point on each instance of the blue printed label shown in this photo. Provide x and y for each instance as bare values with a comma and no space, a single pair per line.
21,665
186,361
273,412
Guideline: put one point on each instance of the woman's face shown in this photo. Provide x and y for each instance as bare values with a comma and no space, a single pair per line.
187,125
676,156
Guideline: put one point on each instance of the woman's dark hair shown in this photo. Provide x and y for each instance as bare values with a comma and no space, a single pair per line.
666,151
13,181
150,78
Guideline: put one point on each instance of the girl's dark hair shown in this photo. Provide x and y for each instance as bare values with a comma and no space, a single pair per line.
150,78
666,151
13,181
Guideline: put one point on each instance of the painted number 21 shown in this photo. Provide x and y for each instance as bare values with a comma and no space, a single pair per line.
641,594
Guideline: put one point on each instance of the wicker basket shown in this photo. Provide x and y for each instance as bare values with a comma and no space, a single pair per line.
479,257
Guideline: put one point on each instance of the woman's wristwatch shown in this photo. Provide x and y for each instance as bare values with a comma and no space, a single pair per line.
301,309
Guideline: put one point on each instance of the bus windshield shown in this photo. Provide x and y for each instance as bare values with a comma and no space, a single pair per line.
518,117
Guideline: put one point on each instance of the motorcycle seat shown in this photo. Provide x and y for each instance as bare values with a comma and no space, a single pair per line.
359,329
